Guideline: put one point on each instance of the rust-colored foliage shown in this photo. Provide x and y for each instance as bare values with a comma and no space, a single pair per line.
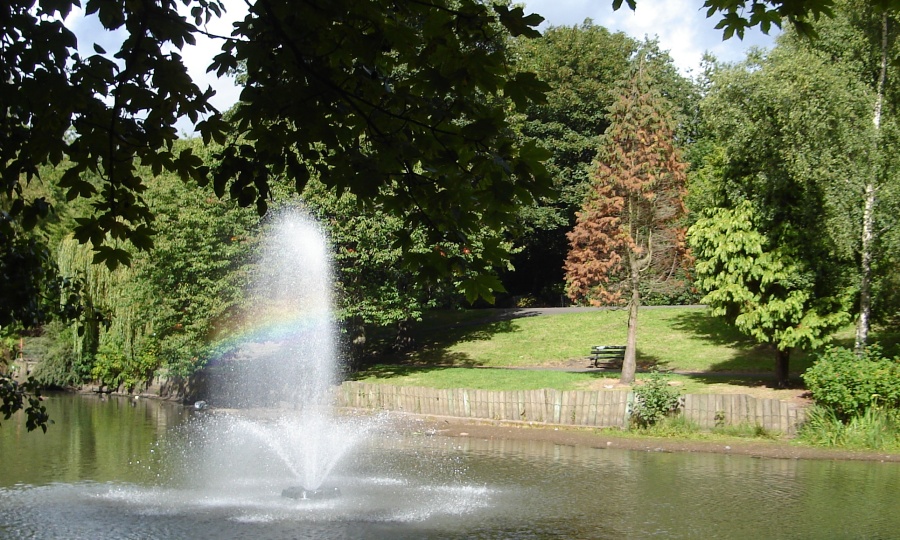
628,232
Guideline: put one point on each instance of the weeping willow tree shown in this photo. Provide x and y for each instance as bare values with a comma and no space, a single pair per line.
109,341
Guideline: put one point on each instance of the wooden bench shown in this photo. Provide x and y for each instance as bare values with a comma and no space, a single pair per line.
608,355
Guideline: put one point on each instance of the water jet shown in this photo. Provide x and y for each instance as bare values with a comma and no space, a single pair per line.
278,379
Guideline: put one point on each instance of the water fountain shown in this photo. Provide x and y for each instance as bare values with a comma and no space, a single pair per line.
282,367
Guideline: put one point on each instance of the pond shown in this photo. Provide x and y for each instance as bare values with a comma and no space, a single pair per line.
120,468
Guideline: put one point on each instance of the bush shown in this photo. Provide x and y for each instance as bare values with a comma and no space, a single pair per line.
113,369
654,400
848,384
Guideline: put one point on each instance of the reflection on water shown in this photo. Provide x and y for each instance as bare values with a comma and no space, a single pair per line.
91,438
117,469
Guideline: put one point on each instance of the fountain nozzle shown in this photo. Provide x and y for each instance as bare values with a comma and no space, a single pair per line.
300,492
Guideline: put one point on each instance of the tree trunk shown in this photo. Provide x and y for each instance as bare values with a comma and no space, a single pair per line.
865,282
781,367
404,340
868,232
629,365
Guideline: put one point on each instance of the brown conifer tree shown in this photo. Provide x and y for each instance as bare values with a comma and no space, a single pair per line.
628,236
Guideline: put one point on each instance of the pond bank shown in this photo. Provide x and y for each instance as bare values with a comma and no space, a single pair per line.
593,437
607,438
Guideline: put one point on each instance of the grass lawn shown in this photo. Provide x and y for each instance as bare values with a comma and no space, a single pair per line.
522,379
683,339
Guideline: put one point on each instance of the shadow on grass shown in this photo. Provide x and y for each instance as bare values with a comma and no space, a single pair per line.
711,329
433,343
888,338
646,361
750,380
748,358
482,332
752,364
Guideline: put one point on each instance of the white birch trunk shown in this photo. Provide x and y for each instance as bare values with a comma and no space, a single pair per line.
868,225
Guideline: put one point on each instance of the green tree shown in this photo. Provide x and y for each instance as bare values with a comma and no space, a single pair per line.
761,286
189,286
375,290
628,235
862,40
794,131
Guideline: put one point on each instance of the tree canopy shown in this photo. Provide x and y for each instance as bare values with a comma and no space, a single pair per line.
411,96
861,40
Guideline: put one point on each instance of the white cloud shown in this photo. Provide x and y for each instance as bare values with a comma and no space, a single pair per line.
680,25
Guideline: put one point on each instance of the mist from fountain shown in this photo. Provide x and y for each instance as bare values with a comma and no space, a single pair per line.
271,448
284,365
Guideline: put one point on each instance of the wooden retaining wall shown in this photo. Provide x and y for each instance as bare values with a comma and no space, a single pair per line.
591,408
712,410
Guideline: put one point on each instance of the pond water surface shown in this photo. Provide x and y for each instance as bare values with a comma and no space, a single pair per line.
119,469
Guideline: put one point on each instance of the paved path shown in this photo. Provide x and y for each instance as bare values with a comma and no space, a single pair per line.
505,314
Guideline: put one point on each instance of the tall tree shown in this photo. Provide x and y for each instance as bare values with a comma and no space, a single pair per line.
776,254
760,286
862,40
627,237
582,64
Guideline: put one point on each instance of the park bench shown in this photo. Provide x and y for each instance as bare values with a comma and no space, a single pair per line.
607,355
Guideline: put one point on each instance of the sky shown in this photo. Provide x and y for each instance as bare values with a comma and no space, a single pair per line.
680,25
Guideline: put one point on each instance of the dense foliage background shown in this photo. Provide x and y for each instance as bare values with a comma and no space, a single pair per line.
447,149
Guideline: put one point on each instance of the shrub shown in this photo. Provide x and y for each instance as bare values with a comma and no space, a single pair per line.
654,400
848,384
113,369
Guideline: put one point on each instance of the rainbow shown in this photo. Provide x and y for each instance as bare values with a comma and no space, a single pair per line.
281,327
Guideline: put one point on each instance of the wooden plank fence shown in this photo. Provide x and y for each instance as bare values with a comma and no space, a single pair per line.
591,408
